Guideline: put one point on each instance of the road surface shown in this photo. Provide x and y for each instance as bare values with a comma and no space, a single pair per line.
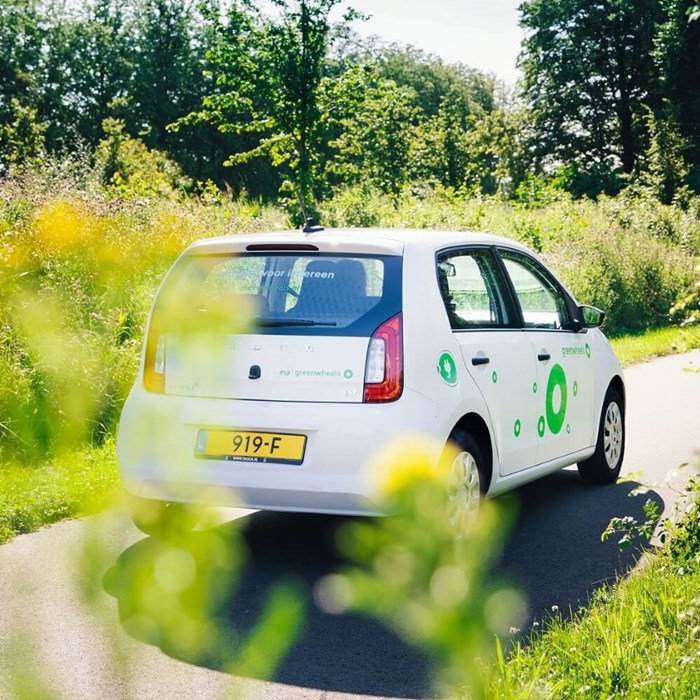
52,639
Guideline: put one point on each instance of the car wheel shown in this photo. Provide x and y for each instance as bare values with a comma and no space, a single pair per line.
161,518
603,467
465,481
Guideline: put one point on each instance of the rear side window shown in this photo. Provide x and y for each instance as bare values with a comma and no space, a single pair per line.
310,294
471,290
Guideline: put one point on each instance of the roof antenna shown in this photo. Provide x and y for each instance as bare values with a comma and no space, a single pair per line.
310,225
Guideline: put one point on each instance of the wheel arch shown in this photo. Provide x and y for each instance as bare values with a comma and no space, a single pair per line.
475,425
617,384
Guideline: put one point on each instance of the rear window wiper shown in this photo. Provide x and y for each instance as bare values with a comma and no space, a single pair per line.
268,322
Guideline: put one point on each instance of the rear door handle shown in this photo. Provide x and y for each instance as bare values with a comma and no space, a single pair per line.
544,356
480,360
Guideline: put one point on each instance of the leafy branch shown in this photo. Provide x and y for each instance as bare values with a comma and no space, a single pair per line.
631,529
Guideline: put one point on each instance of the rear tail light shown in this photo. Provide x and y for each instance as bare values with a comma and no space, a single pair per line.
154,363
384,366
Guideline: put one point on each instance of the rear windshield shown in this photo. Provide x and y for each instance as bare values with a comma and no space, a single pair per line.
286,293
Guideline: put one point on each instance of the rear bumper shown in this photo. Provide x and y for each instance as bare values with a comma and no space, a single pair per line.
158,434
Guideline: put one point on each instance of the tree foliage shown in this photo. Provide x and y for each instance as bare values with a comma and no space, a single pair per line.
267,63
677,57
588,78
373,119
283,92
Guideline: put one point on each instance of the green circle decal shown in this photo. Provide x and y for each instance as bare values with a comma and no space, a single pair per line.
494,377
588,351
448,368
347,374
534,387
516,428
540,426
555,419
575,388
568,428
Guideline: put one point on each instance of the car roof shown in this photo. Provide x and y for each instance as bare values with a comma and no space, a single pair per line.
382,241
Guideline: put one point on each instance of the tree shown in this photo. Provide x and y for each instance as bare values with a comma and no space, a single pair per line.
99,60
440,144
444,100
171,40
665,168
267,65
588,78
498,151
21,138
432,80
21,41
373,120
128,168
677,57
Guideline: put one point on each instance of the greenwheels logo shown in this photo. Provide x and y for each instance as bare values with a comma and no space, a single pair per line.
447,368
555,418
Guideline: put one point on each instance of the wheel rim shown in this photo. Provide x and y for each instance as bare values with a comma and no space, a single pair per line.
464,491
612,435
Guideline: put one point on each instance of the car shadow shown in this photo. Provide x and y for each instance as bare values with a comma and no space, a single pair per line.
554,555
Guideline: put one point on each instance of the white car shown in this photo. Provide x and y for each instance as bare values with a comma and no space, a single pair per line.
357,337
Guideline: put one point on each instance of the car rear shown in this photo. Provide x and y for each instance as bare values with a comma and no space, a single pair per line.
273,369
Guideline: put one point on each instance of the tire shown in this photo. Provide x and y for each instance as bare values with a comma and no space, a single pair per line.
161,518
603,467
467,483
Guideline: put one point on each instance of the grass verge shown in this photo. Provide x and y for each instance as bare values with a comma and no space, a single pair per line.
640,639
76,484
657,342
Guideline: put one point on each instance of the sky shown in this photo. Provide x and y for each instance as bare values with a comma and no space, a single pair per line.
482,34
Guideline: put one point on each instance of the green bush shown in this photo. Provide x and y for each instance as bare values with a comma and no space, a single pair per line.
629,255
684,540
635,280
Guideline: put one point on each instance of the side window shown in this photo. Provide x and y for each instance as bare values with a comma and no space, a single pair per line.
470,289
541,301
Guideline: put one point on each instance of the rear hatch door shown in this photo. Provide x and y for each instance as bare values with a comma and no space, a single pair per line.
277,326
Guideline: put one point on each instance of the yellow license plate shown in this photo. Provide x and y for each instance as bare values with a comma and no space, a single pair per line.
236,445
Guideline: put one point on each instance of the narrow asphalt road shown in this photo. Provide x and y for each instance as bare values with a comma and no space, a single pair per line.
63,588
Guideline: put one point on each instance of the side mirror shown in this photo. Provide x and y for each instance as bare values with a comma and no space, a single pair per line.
592,317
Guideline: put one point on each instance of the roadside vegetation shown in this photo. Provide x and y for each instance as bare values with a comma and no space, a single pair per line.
640,638
656,342
82,261
72,484
637,638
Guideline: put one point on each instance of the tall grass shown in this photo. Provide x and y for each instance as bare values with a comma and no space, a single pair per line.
640,639
80,262
78,273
